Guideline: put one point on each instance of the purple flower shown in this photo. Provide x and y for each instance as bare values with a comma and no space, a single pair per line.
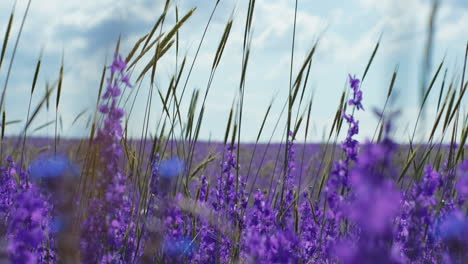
350,145
207,244
8,189
309,229
28,228
375,208
281,246
104,108
93,233
118,65
289,184
373,190
126,80
367,251
357,93
354,82
109,232
337,188
417,216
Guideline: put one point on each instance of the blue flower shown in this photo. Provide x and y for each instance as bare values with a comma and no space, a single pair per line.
52,167
180,246
453,226
57,224
170,168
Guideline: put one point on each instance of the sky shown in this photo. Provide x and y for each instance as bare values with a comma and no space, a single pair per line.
86,31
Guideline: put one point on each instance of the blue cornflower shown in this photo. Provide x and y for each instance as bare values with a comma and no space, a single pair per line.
51,167
453,226
170,168
181,246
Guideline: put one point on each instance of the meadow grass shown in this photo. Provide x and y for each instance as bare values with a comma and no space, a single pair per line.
169,197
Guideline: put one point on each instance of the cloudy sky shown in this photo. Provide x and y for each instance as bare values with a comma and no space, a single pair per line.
86,31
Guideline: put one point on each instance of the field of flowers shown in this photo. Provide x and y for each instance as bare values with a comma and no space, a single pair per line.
171,198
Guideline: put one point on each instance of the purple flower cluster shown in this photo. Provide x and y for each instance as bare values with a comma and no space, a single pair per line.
365,214
373,207
29,227
350,145
338,184
417,218
25,218
111,220
230,196
8,188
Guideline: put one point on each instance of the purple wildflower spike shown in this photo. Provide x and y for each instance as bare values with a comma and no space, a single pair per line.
111,219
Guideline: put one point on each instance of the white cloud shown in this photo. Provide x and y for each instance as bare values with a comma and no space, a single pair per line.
402,21
454,24
274,19
348,42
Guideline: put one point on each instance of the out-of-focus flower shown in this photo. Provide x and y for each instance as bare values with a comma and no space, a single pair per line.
453,226
375,208
52,167
184,246
171,168
57,225
462,184
374,204
367,252
376,199
452,231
